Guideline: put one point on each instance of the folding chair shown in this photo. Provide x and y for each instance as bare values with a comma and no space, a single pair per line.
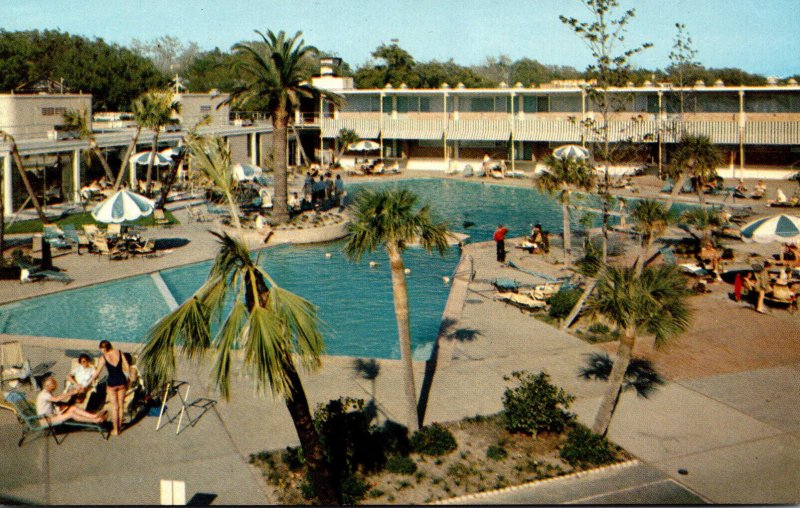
32,423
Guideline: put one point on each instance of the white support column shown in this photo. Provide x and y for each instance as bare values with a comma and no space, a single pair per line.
76,175
380,125
253,149
742,126
132,174
8,190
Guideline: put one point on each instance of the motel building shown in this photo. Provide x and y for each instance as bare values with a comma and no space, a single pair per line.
756,128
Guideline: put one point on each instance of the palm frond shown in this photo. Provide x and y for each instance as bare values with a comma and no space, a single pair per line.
267,349
226,341
640,375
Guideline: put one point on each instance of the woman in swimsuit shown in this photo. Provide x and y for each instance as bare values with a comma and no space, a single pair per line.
117,382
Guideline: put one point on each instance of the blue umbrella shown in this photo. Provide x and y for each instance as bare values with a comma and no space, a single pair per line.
779,228
144,157
123,206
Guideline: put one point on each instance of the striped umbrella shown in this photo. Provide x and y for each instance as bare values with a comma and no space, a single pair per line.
780,228
574,152
123,206
144,157
364,145
244,172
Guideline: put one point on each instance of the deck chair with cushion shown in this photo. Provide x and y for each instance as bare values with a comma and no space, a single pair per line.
29,272
523,302
55,237
101,247
92,230
506,285
32,423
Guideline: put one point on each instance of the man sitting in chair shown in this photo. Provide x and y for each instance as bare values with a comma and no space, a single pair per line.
46,405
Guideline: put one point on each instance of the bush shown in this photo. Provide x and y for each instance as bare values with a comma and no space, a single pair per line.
401,465
433,439
496,452
599,328
535,405
561,303
584,448
354,489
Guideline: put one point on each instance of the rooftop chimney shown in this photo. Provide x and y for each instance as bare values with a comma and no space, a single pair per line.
329,65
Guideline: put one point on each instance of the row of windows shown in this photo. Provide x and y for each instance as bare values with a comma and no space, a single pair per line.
53,111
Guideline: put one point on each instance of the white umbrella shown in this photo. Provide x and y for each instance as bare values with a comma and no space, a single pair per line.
574,152
779,228
364,145
144,157
123,206
244,172
174,151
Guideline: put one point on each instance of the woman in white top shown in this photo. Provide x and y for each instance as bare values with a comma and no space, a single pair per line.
82,374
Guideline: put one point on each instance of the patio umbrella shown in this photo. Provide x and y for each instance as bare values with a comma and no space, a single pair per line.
169,153
245,172
123,206
364,145
574,152
144,157
779,228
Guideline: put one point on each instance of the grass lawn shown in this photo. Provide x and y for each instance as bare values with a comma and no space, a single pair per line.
35,225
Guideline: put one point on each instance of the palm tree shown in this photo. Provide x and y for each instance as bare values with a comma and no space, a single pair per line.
651,218
23,175
640,376
155,110
345,138
271,327
275,79
654,302
697,157
138,109
389,218
79,121
703,219
565,175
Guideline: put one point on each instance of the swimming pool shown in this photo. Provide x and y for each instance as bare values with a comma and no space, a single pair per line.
354,300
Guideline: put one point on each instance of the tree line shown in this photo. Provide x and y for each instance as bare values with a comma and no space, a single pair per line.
116,74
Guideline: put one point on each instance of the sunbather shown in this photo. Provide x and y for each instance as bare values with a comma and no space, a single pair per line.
46,406
759,190
81,375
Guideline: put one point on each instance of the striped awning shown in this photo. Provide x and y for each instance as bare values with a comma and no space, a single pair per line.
412,129
772,133
479,130
632,131
723,133
365,128
547,130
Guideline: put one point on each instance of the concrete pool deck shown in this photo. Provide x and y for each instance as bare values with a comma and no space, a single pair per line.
735,429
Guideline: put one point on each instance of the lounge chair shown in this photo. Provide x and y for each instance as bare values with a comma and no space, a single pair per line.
55,237
146,250
32,273
524,302
468,171
114,230
32,423
101,246
479,171
159,218
545,291
92,231
506,285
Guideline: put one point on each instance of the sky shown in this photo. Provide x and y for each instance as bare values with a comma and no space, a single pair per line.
756,35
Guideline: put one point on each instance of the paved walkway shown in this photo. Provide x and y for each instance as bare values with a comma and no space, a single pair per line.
735,431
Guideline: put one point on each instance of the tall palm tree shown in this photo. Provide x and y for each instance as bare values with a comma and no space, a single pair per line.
654,302
697,157
565,175
155,111
23,174
651,218
79,121
275,79
703,219
273,328
138,109
389,218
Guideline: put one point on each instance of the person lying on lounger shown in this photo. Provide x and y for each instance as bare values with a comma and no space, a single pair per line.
46,405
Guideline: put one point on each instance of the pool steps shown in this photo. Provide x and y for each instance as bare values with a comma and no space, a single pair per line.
164,290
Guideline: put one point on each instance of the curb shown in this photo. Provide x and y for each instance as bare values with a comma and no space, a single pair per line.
580,474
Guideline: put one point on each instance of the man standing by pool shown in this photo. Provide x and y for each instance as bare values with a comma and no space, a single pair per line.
500,240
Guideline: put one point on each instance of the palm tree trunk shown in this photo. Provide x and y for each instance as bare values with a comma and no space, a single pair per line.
150,161
400,292
280,206
676,189
103,162
24,176
2,233
173,173
644,255
579,304
313,452
125,159
567,235
615,380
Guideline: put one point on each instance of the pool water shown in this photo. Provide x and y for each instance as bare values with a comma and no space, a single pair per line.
355,301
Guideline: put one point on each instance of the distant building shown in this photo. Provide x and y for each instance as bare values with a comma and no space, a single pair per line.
31,116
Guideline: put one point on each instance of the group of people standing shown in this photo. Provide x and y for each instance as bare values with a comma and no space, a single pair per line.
320,191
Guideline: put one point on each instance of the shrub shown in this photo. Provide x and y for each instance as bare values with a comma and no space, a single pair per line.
292,456
354,489
599,328
401,465
433,439
561,303
584,448
535,405
496,452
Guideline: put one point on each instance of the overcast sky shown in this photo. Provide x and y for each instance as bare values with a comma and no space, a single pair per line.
757,36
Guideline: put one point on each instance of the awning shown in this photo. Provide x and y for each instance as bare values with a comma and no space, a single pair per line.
634,131
722,133
772,133
547,130
413,129
479,130
365,128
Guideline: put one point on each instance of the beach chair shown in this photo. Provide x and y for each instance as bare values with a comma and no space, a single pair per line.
506,285
114,230
101,246
55,237
92,231
521,301
32,273
159,218
468,171
12,362
146,250
32,423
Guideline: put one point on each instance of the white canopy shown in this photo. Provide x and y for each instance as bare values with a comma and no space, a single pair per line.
123,206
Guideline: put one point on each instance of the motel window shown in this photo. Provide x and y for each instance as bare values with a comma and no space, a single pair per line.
374,104
652,103
543,104
405,104
482,104
51,111
205,109
387,104
425,104
529,104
